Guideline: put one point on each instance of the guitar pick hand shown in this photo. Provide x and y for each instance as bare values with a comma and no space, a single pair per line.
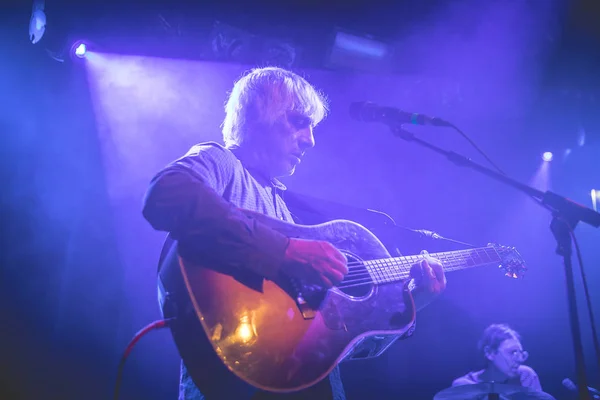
315,262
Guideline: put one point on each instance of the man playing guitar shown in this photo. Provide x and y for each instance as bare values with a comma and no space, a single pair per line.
199,200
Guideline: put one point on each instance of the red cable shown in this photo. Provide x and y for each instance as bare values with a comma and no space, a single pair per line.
163,323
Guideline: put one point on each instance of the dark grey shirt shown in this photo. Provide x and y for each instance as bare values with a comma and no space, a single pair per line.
196,199
526,377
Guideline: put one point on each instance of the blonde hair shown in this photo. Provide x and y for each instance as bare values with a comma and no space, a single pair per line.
261,96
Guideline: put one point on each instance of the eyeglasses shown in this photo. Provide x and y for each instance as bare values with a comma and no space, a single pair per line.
520,355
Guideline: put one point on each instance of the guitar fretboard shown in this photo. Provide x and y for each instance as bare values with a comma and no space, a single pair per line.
395,269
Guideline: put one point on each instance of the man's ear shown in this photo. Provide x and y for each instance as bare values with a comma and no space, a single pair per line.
488,352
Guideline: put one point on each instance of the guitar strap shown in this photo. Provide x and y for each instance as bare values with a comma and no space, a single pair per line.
167,245
162,293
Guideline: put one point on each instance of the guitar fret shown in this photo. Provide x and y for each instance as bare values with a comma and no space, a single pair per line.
398,268
377,271
384,271
388,273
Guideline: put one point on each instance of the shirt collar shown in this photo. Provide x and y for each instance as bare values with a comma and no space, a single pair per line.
257,173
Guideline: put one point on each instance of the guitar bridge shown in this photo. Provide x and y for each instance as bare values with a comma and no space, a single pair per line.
307,311
308,298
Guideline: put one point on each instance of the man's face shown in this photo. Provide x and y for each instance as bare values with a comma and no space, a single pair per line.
508,357
284,144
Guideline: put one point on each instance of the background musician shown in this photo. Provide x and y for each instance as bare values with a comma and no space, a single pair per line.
504,357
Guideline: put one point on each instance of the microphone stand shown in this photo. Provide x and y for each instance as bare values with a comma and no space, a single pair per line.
565,216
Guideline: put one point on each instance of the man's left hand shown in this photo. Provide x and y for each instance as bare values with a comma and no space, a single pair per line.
429,278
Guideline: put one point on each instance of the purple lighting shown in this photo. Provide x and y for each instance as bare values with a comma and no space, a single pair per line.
547,156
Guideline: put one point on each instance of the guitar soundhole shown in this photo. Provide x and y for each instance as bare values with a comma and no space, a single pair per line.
358,282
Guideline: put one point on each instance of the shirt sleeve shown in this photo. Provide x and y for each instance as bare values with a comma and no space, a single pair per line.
463,380
185,199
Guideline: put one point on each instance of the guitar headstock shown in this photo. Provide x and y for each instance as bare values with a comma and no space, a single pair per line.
511,261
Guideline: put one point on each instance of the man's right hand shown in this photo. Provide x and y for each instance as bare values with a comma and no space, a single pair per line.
314,261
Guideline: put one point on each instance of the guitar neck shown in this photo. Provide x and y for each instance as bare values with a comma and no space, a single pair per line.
398,268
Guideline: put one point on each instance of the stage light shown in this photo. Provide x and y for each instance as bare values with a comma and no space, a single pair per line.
230,43
359,53
595,199
547,156
37,22
360,45
80,50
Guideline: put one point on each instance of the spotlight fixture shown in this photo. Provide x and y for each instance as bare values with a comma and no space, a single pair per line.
80,50
547,156
230,43
37,22
358,52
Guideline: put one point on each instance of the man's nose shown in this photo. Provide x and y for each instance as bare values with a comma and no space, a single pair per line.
306,139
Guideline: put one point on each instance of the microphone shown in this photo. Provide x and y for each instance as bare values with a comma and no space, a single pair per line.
569,384
366,111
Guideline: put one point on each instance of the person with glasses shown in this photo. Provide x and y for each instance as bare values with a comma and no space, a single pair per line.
504,356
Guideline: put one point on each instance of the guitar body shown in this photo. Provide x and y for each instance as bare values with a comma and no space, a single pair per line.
281,336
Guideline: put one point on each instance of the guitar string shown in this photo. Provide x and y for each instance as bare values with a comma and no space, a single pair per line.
393,269
387,269
379,271
393,272
394,277
387,272
406,265
357,271
402,264
415,258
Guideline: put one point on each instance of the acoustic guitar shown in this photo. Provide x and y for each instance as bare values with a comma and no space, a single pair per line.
286,336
